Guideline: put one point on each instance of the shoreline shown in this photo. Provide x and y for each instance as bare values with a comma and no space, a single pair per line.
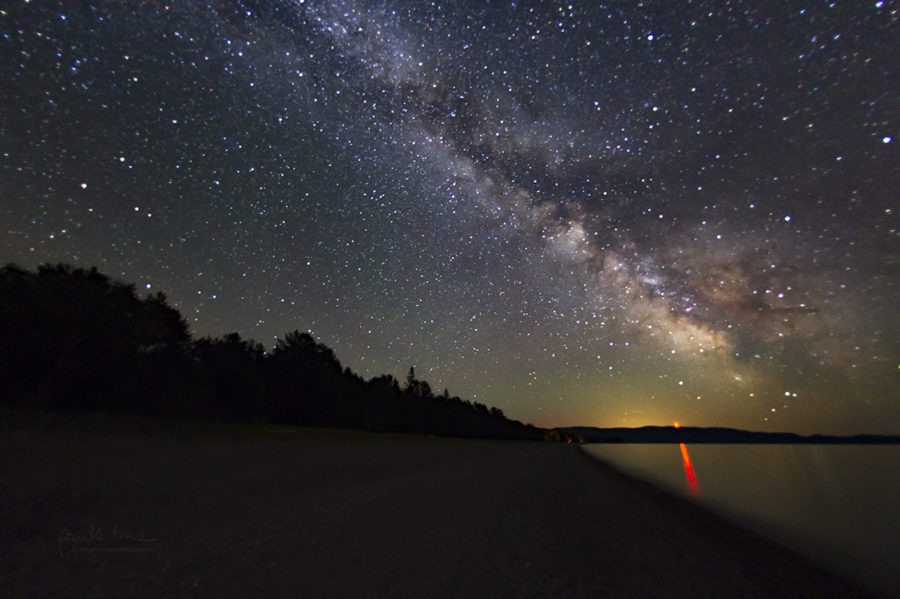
235,510
846,530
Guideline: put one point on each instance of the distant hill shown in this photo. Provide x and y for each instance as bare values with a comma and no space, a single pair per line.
689,434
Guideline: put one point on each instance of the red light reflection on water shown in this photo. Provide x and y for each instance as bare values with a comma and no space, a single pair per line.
693,487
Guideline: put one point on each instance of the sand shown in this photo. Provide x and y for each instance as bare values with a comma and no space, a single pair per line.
265,511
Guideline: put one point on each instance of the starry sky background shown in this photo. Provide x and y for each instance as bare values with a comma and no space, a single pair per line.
618,213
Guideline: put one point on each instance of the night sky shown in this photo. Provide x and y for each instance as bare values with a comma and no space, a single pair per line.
607,214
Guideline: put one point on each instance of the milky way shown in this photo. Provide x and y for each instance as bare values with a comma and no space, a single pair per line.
607,214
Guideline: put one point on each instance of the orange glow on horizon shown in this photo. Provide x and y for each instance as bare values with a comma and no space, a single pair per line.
693,487
676,424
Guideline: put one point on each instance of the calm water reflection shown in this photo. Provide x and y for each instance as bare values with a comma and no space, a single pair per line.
835,503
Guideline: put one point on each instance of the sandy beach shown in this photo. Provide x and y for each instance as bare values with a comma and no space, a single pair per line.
113,507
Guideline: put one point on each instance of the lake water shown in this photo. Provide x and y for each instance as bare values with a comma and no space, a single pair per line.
838,504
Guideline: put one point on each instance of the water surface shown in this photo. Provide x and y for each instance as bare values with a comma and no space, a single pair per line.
835,503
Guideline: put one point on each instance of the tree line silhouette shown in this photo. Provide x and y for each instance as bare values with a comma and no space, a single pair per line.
74,339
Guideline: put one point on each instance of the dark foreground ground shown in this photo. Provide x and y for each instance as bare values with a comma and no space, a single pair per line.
264,511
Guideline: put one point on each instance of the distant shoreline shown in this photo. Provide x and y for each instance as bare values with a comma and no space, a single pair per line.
685,434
